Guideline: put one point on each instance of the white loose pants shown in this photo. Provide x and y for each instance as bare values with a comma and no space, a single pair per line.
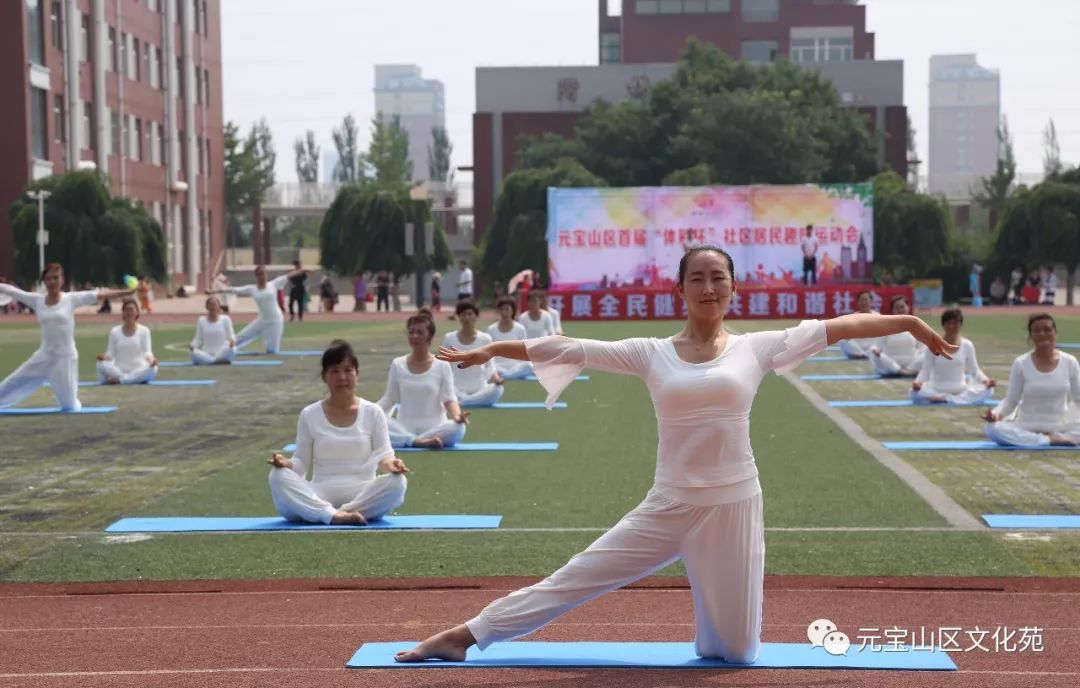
723,547
61,373
269,330
108,370
297,499
886,366
488,395
513,370
973,394
1011,434
450,432
853,348
200,357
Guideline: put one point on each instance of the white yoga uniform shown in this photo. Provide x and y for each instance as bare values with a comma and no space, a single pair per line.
1043,403
543,326
211,343
705,506
899,352
942,377
270,324
420,401
509,368
556,320
472,385
129,357
344,462
56,360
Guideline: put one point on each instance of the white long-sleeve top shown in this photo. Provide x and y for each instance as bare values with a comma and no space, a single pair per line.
516,333
341,455
130,353
948,376
702,409
901,347
470,380
57,321
543,326
556,320
265,298
1042,400
420,398
213,337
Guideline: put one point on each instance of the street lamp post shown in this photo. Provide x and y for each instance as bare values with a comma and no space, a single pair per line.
42,235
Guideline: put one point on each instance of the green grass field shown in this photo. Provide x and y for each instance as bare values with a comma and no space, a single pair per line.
201,451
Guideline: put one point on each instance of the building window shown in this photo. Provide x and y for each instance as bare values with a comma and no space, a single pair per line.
671,7
84,39
198,86
155,143
760,10
836,49
759,51
647,7
87,125
58,118
134,60
683,6
206,87
147,50
39,123
134,138
159,67
116,133
35,26
111,58
718,6
56,21
209,167
610,48
205,17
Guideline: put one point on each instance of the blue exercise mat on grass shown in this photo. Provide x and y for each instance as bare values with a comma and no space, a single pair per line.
962,445
155,383
523,405
823,359
833,347
652,656
1032,520
903,402
192,524
40,411
242,364
472,446
842,377
1068,345
297,352
532,378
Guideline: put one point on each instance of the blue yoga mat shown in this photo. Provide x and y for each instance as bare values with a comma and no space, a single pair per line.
473,446
523,405
843,377
155,383
903,402
244,364
533,378
822,359
192,524
55,409
1069,345
653,656
311,352
833,347
1032,521
982,445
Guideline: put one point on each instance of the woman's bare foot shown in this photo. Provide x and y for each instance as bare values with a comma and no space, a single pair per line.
348,518
449,645
1059,440
428,443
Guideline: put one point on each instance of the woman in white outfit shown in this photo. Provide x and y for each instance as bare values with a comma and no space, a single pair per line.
556,317
705,507
859,349
945,381
129,358
344,440
215,340
508,329
270,323
1044,387
56,360
897,355
422,388
536,320
481,385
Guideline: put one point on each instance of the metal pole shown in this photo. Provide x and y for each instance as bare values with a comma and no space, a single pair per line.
42,235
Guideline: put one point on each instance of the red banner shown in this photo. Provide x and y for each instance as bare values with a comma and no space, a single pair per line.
763,303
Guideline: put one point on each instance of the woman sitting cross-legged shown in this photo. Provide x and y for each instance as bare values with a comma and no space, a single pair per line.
897,355
344,439
477,386
1044,386
129,358
944,381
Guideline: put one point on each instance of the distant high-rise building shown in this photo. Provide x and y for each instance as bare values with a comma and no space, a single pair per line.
330,159
965,109
401,91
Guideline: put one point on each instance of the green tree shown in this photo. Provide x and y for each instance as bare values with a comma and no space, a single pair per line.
1048,219
97,238
249,172
439,156
349,166
912,231
307,158
1052,155
996,188
388,154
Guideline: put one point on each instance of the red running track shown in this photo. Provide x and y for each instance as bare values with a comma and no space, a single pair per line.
299,633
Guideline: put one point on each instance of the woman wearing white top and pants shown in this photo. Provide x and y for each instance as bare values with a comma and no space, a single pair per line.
129,358
705,506
56,360
422,388
344,439
215,340
270,323
1044,388
481,385
897,355
505,330
537,321
942,380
